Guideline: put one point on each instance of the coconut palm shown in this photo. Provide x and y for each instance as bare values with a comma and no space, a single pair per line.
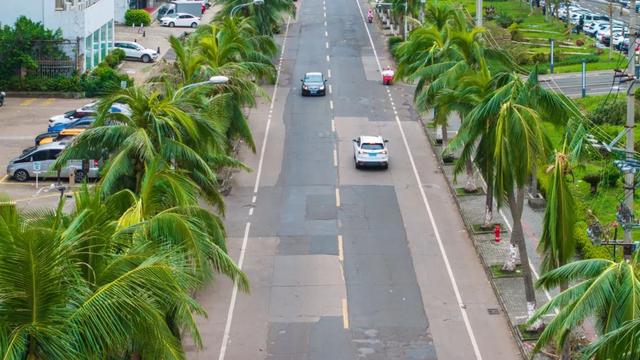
620,344
50,309
266,17
507,127
158,126
607,290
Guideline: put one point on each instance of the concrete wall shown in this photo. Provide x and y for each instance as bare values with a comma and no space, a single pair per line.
73,23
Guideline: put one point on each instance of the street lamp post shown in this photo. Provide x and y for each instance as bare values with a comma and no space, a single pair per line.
237,7
214,80
406,4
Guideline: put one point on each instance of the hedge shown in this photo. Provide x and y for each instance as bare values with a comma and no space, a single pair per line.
137,17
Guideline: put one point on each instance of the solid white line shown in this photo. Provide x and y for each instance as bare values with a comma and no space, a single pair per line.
434,225
331,104
333,125
234,293
329,73
337,197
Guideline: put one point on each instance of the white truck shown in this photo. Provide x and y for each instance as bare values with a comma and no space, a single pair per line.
193,7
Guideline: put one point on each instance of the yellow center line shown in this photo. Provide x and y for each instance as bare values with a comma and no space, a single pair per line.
345,314
49,101
27,102
36,197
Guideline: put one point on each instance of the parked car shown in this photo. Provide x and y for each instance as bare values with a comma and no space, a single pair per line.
370,151
66,134
2,96
85,122
313,83
87,110
181,19
594,27
25,166
133,50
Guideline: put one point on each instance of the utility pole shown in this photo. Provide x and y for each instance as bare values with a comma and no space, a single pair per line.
629,178
610,29
422,3
478,13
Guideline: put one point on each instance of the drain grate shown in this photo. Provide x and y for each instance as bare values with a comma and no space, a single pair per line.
493,311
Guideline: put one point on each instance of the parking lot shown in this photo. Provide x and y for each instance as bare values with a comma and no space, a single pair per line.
21,119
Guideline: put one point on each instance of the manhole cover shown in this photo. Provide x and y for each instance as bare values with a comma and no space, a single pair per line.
493,311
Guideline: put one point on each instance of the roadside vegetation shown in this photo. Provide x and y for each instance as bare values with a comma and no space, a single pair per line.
513,129
115,277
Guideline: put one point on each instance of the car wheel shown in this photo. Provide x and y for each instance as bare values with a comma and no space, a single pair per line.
21,175
146,58
171,24
385,166
79,176
194,25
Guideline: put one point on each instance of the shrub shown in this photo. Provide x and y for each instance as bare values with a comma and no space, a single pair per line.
593,180
584,245
114,58
392,43
540,58
610,176
636,93
577,59
612,112
137,17
504,20
103,80
516,35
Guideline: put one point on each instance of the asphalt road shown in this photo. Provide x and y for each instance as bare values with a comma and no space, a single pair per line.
346,263
597,83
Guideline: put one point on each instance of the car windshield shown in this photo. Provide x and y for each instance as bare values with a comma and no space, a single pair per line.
369,146
314,78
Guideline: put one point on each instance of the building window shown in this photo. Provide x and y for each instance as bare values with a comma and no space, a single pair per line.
96,47
103,41
59,4
88,46
110,35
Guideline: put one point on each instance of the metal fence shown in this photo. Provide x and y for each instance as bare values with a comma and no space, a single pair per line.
56,57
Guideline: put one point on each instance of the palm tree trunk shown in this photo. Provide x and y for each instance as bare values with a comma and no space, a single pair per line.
516,205
470,186
488,201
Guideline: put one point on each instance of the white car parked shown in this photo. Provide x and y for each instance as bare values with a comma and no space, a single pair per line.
181,19
370,151
134,50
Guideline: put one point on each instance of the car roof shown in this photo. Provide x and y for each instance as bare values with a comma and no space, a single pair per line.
53,145
185,14
371,139
313,74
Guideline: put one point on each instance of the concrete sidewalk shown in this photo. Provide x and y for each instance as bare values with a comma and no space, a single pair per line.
154,37
510,290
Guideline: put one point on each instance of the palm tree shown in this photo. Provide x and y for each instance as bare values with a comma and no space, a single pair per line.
266,17
557,243
156,127
620,344
507,126
51,309
602,288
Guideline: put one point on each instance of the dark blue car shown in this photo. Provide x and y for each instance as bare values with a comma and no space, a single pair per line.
82,122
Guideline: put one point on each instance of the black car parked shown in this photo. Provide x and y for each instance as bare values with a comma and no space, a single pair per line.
313,83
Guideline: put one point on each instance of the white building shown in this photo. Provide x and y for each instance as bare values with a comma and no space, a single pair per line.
90,20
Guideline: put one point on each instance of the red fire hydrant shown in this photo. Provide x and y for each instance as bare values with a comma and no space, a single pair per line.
496,232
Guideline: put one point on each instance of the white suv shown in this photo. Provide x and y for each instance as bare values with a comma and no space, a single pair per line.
370,150
137,51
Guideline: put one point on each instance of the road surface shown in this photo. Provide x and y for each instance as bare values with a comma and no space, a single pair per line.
346,263
598,83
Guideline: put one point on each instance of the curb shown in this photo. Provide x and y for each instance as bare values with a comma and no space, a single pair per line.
46,94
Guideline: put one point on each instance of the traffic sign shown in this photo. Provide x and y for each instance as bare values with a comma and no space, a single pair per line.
37,166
